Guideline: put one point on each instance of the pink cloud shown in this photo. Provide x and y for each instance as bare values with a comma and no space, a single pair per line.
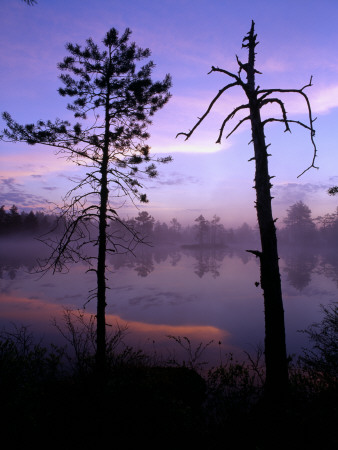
272,65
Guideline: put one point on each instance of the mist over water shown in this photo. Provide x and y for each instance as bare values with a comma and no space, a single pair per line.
202,293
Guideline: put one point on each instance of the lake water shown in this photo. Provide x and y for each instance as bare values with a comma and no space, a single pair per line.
202,295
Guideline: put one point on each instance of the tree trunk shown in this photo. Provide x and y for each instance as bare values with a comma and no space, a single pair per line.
101,277
275,347
101,261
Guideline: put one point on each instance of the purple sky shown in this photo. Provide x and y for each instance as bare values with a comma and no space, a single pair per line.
186,37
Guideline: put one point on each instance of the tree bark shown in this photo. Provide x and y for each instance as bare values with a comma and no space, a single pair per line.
275,347
102,240
101,278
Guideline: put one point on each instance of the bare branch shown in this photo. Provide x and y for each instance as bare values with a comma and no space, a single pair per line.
245,66
281,104
220,92
230,74
238,125
267,92
230,116
298,122
257,253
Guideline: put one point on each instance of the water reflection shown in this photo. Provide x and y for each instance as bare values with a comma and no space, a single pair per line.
176,289
328,266
19,254
299,266
208,260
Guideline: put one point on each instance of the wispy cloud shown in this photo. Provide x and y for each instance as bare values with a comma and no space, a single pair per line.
325,99
290,193
33,162
10,183
271,65
176,179
50,188
12,192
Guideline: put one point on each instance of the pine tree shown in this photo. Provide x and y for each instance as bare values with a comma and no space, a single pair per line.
299,226
113,100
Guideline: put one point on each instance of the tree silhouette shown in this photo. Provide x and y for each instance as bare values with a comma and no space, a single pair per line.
214,227
3,219
15,219
300,227
328,227
202,228
322,359
298,213
175,227
118,98
275,347
144,224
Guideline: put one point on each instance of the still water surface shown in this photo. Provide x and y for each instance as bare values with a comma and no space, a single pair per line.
203,295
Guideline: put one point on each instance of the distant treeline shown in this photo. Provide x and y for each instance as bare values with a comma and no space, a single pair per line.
202,232
298,228
32,223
